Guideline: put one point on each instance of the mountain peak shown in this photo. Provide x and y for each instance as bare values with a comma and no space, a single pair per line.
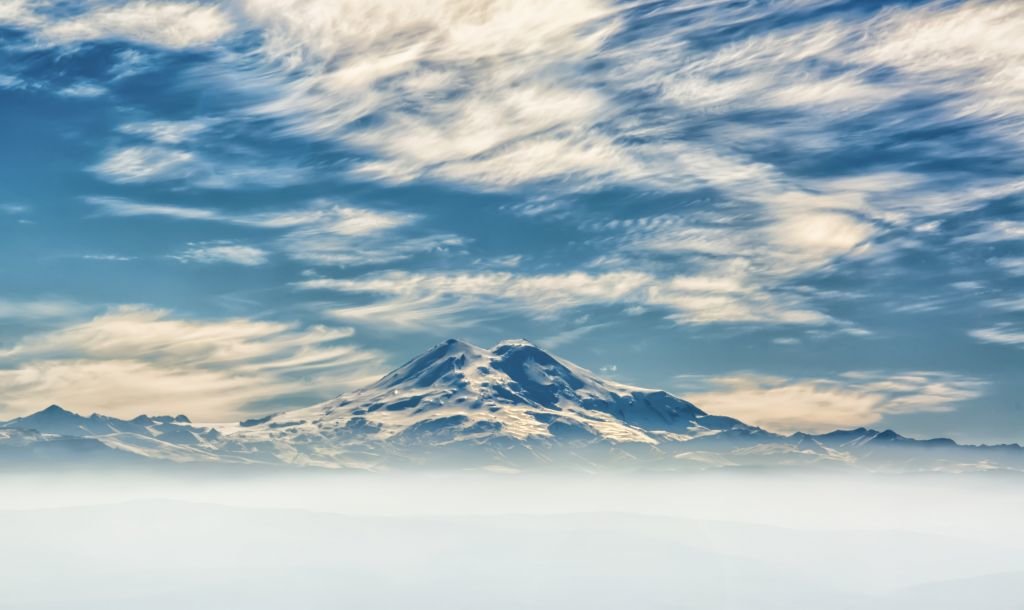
53,419
512,344
55,410
431,365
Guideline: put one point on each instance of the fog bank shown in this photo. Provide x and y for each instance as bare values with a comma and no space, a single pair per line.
324,540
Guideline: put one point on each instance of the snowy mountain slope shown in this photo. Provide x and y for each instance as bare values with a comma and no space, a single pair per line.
513,402
29,448
513,406
162,437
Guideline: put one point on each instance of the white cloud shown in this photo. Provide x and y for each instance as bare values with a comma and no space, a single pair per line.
465,90
344,235
787,247
83,89
329,216
317,246
995,231
133,360
323,233
147,163
37,309
131,62
496,94
143,163
1007,304
210,253
969,285
424,300
830,70
108,257
492,97
8,81
858,398
171,25
14,209
1004,333
168,132
115,206
1012,265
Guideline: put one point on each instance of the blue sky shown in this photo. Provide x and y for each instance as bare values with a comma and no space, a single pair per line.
804,214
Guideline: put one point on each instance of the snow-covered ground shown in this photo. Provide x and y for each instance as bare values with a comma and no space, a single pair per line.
331,540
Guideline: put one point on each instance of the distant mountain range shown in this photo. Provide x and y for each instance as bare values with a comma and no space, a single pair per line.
511,407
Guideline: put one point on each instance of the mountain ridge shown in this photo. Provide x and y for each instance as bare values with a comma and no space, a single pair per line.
511,406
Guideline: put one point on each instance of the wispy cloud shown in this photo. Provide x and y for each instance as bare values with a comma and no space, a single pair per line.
148,163
334,217
83,90
323,233
220,252
134,359
1013,265
593,94
420,300
171,25
108,257
168,132
38,309
9,81
995,231
115,206
1004,333
857,398
14,209
1007,304
482,92
131,62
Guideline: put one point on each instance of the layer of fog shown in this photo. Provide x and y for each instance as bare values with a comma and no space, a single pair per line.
236,540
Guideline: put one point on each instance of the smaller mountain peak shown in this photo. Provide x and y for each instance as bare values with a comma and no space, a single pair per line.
429,366
455,345
889,435
509,343
55,410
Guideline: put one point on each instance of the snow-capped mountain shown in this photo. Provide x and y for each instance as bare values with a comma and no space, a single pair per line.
511,406
163,437
56,420
513,403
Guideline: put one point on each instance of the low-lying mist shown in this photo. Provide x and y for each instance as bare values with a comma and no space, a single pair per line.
315,540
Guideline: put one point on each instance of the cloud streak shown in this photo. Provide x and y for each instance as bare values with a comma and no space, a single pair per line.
212,253
170,25
159,163
422,300
324,233
856,398
135,359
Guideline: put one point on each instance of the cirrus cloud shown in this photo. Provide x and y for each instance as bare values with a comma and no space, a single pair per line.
135,359
170,25
323,233
420,300
218,252
854,399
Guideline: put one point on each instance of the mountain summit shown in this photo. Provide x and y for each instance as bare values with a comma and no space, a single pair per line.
511,402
